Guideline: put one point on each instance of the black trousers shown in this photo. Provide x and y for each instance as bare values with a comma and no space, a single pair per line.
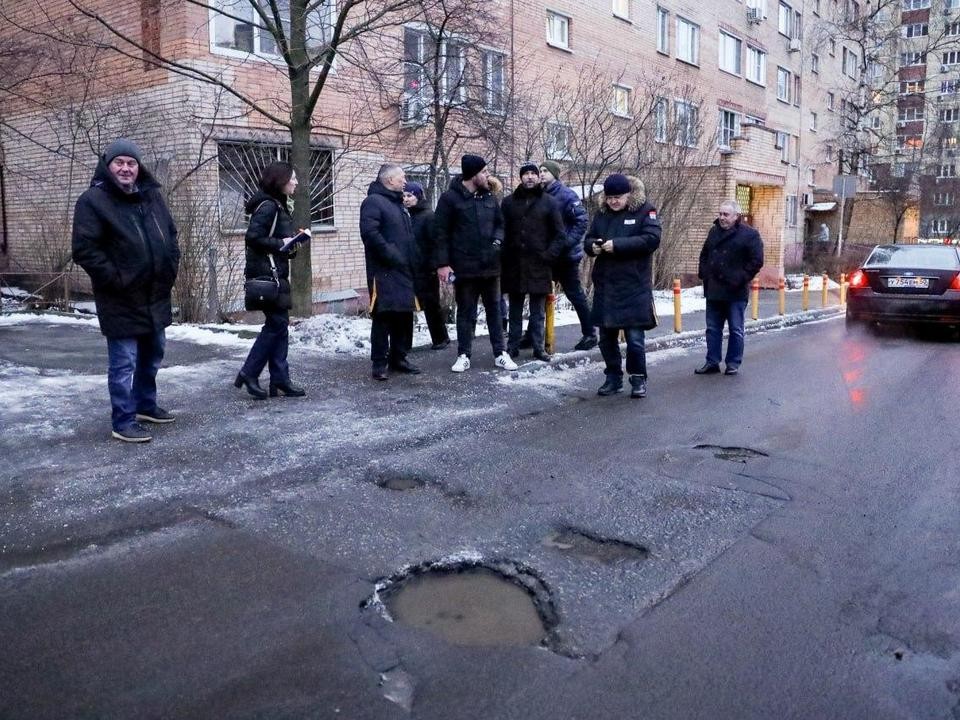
468,292
428,293
391,336
270,348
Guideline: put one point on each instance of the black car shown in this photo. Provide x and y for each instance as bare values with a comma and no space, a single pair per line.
907,284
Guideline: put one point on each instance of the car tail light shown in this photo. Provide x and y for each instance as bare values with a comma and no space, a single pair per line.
858,279
955,285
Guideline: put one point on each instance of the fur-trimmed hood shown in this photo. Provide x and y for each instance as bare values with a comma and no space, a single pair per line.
638,196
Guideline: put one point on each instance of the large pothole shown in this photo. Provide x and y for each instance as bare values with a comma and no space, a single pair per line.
605,550
734,454
471,602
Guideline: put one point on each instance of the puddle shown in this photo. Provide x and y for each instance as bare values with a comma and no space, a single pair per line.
604,550
734,454
475,607
398,481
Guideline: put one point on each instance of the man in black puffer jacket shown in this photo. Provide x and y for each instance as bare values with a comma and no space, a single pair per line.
125,239
389,247
731,257
468,227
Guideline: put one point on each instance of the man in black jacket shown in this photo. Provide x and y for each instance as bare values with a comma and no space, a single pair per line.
468,227
387,234
125,239
731,257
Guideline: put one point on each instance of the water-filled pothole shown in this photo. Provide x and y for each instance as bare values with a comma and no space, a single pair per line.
606,550
734,454
471,602
393,480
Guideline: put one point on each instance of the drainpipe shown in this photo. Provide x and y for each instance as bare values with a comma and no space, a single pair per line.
4,230
513,86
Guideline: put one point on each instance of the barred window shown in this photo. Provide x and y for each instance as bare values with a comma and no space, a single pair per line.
240,165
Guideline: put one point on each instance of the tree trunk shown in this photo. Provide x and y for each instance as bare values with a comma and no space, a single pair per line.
301,268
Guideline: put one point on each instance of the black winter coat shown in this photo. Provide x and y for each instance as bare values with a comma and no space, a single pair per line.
389,248
424,257
729,260
261,244
534,238
623,279
468,229
127,243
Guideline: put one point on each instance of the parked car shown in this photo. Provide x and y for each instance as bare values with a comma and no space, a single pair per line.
906,284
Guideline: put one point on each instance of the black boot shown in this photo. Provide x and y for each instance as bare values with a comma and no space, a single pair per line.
404,366
613,384
287,389
541,355
638,386
252,385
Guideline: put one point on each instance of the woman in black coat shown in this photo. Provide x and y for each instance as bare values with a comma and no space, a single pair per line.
623,237
425,280
269,229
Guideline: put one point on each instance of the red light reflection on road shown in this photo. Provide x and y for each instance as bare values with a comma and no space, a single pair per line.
858,396
853,355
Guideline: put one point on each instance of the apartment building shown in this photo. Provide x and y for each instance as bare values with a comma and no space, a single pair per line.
738,87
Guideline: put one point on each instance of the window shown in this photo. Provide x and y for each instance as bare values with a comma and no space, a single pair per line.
423,54
850,63
783,84
816,7
756,66
236,28
952,29
947,171
558,140
621,8
730,53
785,20
790,211
558,30
759,5
622,101
915,30
240,165
813,121
940,226
943,198
687,117
796,90
915,4
832,45
950,87
949,116
912,87
951,58
754,120
814,63
782,143
728,128
830,101
910,113
494,81
660,120
663,31
688,41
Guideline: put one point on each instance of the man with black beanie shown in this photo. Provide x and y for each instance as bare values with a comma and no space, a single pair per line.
468,230
124,237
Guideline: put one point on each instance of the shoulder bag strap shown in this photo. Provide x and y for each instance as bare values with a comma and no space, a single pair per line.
273,227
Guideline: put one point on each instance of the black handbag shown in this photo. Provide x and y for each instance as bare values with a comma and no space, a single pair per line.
263,292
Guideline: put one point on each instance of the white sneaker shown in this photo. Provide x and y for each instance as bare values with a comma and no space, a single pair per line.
462,364
504,362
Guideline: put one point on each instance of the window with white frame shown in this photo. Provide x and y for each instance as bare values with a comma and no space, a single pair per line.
831,99
813,121
494,81
912,57
688,41
784,84
950,87
814,63
621,101
790,211
558,29
915,4
660,120
756,65
916,30
240,165
948,115
558,140
728,128
425,54
951,57
939,226
944,198
947,171
760,5
832,47
663,31
850,63
909,114
785,19
951,29
621,8
686,115
782,143
911,87
796,89
731,53
235,27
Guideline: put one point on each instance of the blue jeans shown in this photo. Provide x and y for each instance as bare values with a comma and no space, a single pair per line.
731,312
567,273
132,375
610,350
270,348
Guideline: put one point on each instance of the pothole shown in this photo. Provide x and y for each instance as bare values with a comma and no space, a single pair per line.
605,550
734,454
394,480
471,602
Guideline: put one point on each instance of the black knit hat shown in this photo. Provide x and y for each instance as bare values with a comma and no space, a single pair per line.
616,184
470,165
122,146
414,188
529,167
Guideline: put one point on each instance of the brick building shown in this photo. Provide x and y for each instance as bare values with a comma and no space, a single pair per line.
722,99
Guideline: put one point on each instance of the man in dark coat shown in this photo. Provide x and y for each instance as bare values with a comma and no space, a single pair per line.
125,239
468,228
387,234
624,235
425,280
533,239
731,257
566,270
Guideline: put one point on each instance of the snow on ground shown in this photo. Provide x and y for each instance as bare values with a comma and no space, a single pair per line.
795,283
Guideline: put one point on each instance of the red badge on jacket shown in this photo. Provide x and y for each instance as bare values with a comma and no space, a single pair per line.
652,214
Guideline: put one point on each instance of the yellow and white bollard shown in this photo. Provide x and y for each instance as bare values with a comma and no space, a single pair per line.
755,298
805,296
823,290
782,296
843,289
548,324
677,321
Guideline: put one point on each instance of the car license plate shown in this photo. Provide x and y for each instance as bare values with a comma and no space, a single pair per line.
908,282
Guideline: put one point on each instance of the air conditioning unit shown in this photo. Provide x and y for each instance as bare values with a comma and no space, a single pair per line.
794,44
414,111
754,15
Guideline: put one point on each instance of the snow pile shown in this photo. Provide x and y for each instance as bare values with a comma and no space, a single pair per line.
795,283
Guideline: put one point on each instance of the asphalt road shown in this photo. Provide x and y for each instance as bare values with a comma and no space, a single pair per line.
798,524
